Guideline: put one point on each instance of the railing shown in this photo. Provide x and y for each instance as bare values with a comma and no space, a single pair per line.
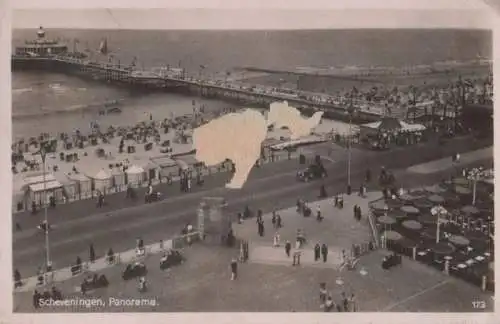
126,257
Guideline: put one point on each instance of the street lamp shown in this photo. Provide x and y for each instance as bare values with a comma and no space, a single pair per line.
438,211
43,154
475,174
350,111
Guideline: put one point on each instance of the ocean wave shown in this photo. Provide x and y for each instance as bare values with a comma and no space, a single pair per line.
67,110
21,91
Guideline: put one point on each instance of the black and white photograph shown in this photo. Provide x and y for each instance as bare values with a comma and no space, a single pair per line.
236,160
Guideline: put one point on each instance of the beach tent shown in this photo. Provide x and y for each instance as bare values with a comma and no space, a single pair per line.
166,165
84,185
118,178
135,175
150,169
43,191
102,180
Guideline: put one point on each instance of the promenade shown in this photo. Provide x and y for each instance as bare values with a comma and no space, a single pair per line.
275,286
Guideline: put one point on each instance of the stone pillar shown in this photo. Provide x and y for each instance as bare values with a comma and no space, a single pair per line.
447,267
483,283
414,254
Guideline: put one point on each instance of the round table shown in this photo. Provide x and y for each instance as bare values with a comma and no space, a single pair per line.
479,258
470,210
386,220
476,235
448,258
462,190
392,235
459,240
413,225
436,199
407,243
409,209
461,266
443,248
487,254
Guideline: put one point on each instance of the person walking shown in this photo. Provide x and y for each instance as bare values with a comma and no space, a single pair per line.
234,269
288,248
91,253
355,211
273,219
317,252
324,252
352,302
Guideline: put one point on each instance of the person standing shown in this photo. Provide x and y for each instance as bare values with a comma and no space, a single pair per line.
279,223
91,253
273,219
234,269
36,299
288,247
276,240
352,301
355,211
324,252
319,218
317,252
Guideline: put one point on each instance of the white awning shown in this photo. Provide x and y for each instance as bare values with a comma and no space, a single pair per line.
50,185
134,169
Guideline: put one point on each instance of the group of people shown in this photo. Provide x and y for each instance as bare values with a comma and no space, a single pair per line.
347,304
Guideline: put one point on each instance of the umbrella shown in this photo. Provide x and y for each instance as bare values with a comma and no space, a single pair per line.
461,181
386,220
406,243
470,210
411,224
434,189
410,209
436,199
379,205
392,235
459,240
398,214
443,248
462,190
407,197
391,203
422,203
427,219
476,235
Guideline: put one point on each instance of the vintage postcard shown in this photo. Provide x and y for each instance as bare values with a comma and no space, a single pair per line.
225,159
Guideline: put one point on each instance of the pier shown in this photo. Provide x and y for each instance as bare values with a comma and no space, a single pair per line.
252,95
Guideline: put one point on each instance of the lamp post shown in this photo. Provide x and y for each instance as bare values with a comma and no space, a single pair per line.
350,111
438,211
475,174
43,154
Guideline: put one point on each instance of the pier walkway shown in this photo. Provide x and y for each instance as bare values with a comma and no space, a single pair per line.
221,89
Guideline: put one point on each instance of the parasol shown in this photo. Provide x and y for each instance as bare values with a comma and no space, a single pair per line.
443,248
392,235
427,219
413,225
436,199
434,189
386,220
462,190
459,240
470,210
410,209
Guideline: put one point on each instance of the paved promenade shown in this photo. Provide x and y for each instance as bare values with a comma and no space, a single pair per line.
338,230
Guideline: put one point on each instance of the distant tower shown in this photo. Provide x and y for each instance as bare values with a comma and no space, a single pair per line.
40,33
213,222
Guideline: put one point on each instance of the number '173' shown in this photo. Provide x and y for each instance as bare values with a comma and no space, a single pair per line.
480,304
